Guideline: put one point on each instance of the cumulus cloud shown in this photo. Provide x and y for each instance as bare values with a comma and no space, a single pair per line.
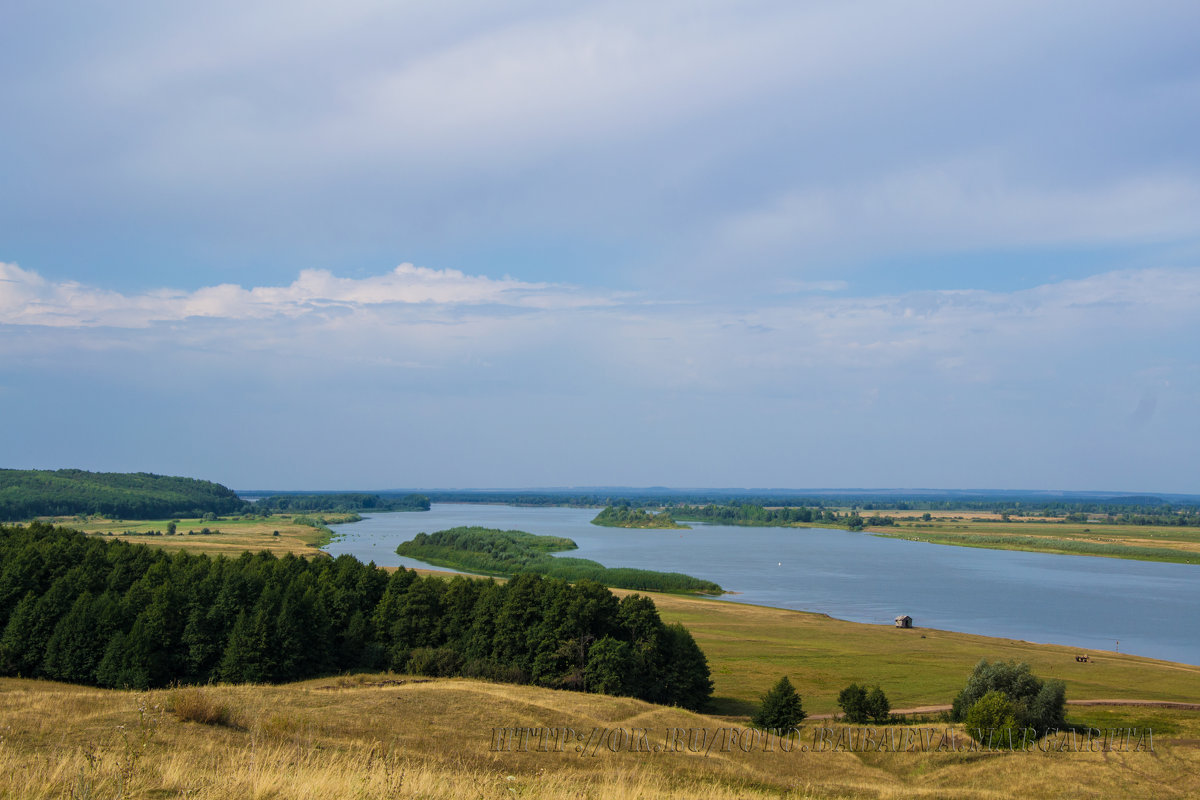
26,298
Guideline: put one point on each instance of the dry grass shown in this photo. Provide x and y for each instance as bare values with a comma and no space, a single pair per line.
386,739
192,704
236,535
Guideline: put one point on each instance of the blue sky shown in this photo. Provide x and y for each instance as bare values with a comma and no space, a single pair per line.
293,245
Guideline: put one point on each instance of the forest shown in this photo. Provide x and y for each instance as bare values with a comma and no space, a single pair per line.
342,502
495,552
109,613
29,493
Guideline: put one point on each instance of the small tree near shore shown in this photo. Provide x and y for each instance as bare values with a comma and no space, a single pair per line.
780,708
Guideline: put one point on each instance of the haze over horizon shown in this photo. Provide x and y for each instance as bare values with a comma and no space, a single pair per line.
692,244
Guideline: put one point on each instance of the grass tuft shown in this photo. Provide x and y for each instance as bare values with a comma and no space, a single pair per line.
197,705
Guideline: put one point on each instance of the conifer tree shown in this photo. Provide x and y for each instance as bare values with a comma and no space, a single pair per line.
780,708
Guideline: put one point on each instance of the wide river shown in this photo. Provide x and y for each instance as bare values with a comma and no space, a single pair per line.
1141,607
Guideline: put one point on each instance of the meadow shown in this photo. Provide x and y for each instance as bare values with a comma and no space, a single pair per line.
229,536
1039,534
750,647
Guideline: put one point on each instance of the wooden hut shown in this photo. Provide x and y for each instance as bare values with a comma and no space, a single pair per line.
904,621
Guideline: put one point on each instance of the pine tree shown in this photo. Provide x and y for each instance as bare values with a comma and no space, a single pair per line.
780,708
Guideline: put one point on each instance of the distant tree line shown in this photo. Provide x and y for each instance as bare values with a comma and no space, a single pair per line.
25,494
342,502
495,552
756,515
109,613
1125,509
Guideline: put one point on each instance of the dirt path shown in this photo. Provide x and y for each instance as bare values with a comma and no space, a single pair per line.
1143,703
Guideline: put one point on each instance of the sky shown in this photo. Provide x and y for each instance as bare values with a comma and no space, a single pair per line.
373,245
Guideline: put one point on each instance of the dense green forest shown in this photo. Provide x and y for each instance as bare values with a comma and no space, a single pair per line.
342,502
756,515
109,613
29,493
626,517
495,552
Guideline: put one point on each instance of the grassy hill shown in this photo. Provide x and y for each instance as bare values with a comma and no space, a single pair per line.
385,737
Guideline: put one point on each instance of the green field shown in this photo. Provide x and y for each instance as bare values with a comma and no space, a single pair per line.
1139,542
749,647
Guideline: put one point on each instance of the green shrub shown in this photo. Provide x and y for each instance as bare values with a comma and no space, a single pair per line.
1034,703
853,702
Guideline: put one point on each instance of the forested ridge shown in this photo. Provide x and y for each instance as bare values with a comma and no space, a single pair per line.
342,502
29,493
103,612
495,552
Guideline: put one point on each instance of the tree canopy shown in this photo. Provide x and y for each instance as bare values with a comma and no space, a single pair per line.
29,493
1034,703
105,612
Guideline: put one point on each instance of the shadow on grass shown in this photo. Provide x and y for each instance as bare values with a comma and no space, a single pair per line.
730,707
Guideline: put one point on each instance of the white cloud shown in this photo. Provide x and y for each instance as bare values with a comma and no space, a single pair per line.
442,330
28,299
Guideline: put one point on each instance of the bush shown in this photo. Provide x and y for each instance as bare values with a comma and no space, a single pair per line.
1034,703
993,717
878,706
853,702
197,705
436,662
780,709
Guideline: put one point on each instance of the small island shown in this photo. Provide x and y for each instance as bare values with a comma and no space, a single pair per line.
626,517
506,553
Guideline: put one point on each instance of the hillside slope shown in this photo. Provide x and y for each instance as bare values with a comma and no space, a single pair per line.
29,493
394,736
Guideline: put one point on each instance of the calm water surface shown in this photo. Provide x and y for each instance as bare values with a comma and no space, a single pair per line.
1151,609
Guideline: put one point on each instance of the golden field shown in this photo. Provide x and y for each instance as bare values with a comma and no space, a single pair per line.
389,737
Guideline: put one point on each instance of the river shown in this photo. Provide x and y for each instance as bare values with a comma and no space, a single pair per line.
1147,608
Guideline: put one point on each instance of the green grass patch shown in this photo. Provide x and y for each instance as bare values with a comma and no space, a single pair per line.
1050,544
750,647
